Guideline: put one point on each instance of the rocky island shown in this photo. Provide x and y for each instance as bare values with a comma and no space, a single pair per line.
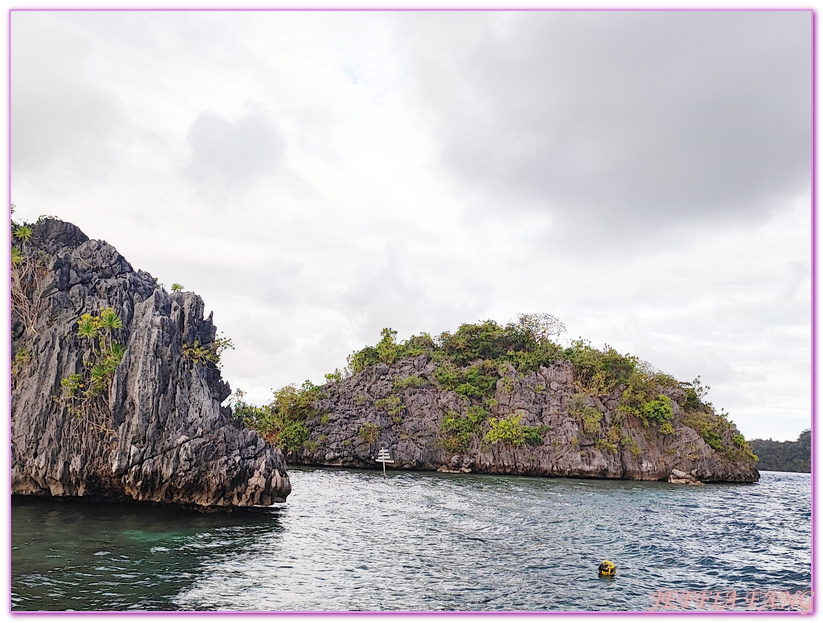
115,389
116,394
497,399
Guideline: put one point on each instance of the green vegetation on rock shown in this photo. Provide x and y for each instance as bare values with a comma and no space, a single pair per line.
251,416
208,354
79,390
290,409
282,422
369,432
29,267
458,430
587,416
617,400
509,430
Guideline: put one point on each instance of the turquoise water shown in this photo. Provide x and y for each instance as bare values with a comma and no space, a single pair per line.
354,540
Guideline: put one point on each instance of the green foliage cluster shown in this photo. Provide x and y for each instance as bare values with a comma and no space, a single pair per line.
634,448
392,405
251,416
412,381
710,427
785,456
21,359
599,371
207,354
740,448
696,396
290,408
642,400
509,430
475,381
658,411
78,390
588,417
526,343
458,429
283,421
29,266
369,432
387,351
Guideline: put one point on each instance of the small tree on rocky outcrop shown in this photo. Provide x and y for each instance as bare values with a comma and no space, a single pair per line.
541,327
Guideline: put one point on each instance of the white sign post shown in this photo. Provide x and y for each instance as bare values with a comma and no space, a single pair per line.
383,457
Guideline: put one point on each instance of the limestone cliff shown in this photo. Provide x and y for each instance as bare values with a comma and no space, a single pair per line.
560,419
130,413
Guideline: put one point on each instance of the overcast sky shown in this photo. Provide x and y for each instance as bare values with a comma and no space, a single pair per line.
317,176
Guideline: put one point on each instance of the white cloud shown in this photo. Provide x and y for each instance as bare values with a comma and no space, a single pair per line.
65,128
227,155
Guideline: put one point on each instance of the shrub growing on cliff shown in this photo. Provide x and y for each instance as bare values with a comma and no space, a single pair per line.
599,371
658,411
293,436
289,409
392,405
412,381
509,430
79,390
207,354
20,361
476,381
710,427
696,396
458,430
369,432
587,416
29,267
525,343
258,419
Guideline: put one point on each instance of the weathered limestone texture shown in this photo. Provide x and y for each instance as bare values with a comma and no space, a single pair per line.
158,432
358,408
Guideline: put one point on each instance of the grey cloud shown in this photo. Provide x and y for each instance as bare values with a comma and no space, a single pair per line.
231,154
59,117
624,120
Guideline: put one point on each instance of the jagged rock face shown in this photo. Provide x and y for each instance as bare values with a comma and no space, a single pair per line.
158,432
354,423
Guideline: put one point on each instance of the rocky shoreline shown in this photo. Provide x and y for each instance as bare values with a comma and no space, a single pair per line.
378,408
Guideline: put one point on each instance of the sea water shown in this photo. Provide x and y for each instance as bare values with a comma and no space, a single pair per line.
422,541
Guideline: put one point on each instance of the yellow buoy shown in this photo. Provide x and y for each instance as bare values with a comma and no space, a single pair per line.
606,568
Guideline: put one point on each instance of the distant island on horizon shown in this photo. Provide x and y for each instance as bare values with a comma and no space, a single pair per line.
785,456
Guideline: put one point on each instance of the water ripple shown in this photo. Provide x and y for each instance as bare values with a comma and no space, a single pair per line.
353,540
